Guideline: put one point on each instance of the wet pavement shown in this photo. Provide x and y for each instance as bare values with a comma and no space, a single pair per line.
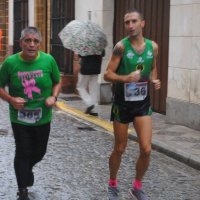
76,164
179,142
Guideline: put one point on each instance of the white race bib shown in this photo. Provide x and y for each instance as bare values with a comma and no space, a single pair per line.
135,91
30,115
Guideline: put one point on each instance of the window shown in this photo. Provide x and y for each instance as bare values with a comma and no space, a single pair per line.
62,13
20,21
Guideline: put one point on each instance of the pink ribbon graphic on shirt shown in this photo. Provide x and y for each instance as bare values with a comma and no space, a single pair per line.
29,87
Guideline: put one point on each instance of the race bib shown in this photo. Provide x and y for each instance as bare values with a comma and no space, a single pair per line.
30,115
136,91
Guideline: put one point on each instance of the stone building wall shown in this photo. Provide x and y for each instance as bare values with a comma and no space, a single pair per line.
183,98
3,29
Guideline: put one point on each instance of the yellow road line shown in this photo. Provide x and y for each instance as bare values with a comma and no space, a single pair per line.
95,120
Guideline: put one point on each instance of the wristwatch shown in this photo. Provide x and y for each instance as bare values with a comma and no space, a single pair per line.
55,98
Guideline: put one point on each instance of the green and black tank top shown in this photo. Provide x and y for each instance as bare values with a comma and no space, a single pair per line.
132,61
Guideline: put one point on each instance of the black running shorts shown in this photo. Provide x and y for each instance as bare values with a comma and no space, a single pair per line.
127,112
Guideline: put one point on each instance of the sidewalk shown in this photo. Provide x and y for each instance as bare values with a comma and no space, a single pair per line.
179,142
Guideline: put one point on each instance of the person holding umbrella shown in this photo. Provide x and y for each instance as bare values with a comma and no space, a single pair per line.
132,67
33,80
87,85
88,40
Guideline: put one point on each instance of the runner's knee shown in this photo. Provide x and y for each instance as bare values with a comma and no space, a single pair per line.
145,152
120,149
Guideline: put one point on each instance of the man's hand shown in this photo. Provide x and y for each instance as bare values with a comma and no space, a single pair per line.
50,101
157,84
133,77
17,102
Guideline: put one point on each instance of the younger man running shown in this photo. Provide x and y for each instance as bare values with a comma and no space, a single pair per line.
132,67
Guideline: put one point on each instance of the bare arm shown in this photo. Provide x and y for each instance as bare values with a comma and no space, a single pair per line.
154,73
111,75
16,102
50,101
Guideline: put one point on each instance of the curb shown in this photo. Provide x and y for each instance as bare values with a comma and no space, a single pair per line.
156,145
172,153
93,119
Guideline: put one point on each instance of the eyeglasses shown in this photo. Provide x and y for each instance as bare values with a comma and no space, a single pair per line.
29,41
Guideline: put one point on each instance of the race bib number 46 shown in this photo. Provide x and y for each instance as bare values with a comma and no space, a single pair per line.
136,91
30,115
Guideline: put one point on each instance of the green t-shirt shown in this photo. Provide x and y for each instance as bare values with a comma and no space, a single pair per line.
132,61
33,81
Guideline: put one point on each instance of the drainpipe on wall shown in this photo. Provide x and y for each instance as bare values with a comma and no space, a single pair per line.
31,13
1,34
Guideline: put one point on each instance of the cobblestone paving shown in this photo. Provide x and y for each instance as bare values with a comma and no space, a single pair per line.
4,118
76,167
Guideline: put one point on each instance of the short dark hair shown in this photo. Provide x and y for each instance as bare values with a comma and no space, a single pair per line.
133,10
31,30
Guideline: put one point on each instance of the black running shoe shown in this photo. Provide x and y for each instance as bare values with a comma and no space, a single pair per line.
23,194
90,112
89,109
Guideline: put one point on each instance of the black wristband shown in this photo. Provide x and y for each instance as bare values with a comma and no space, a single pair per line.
55,98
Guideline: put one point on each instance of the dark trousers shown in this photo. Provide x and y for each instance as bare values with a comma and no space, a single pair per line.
31,144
